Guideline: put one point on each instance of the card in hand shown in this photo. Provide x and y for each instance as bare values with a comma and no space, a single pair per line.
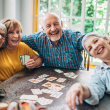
24,59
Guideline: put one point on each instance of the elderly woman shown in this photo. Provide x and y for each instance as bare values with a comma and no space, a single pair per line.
13,56
3,38
98,46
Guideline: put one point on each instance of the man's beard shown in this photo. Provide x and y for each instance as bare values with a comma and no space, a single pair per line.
55,39
4,44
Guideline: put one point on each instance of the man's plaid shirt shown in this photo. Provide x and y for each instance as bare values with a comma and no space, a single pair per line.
67,52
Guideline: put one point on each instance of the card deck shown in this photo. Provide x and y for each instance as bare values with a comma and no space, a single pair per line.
2,92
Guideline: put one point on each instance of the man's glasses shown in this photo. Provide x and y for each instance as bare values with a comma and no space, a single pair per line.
3,35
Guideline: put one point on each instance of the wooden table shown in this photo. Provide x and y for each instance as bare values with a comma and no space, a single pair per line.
19,84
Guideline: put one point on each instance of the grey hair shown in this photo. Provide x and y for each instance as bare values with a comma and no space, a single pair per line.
88,35
3,27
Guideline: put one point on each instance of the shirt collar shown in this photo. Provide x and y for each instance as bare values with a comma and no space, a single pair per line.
104,65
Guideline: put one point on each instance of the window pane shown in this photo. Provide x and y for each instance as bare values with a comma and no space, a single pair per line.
101,9
89,24
66,23
90,8
43,7
40,24
97,61
66,6
100,26
76,9
54,7
76,24
109,29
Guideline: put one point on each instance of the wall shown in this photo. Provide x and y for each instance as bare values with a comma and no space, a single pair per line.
20,10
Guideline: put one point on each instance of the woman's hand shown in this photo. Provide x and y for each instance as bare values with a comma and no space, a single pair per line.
79,90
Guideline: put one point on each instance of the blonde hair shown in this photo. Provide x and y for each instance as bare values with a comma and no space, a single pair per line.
11,24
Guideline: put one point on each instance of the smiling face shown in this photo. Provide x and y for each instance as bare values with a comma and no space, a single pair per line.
2,37
52,26
14,37
98,47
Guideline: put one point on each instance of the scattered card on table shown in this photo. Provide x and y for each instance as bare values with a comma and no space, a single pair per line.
58,70
47,84
48,91
36,91
56,94
43,76
33,80
61,80
29,97
51,78
44,101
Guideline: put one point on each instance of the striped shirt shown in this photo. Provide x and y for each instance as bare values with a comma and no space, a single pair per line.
67,52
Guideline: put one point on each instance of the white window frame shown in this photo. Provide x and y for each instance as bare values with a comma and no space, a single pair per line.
83,17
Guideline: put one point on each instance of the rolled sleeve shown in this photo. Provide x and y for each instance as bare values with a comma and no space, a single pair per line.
97,89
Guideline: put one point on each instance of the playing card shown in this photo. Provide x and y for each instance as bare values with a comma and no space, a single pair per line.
61,80
36,91
28,101
43,76
44,101
56,87
29,97
51,78
48,91
58,70
24,59
40,79
33,80
27,57
70,75
56,94
47,84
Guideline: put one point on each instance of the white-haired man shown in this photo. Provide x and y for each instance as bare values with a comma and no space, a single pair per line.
56,46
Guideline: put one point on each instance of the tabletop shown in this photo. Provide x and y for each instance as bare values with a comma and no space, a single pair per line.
18,85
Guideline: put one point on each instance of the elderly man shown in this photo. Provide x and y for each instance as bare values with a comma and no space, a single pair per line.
3,39
56,46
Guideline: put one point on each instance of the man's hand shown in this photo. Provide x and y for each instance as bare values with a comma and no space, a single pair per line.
30,64
79,90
